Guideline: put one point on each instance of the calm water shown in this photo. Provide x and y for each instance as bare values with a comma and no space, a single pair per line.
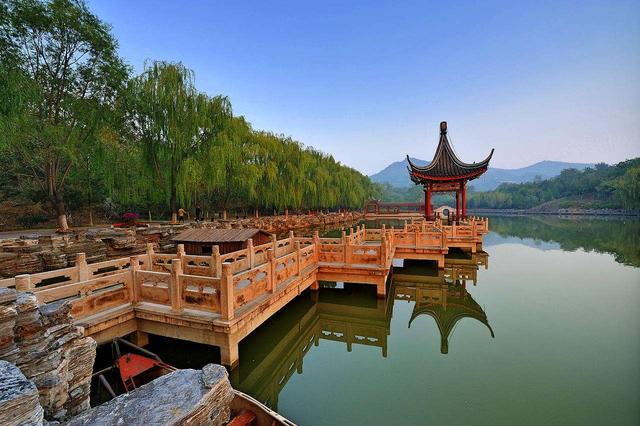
544,330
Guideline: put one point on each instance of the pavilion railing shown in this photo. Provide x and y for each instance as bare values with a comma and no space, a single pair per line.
224,284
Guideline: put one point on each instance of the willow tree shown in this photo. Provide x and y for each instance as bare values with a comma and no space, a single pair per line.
172,121
69,61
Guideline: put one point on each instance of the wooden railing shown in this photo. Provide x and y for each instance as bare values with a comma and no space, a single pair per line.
222,284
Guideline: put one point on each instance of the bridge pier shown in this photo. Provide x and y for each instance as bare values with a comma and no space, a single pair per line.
229,353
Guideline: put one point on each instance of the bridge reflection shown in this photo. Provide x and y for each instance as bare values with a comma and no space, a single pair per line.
353,315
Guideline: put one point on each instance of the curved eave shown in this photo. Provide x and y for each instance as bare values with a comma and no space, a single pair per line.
419,177
446,327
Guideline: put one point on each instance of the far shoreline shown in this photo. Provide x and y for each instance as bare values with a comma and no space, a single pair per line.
559,212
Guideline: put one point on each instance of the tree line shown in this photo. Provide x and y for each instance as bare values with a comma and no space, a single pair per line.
604,186
78,129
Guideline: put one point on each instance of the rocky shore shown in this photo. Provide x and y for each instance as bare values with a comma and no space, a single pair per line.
28,255
46,366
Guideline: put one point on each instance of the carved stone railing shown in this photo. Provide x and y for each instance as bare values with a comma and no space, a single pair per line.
222,284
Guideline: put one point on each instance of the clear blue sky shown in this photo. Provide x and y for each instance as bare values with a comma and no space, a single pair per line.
369,81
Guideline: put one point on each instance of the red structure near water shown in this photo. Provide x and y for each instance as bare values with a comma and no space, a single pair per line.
446,173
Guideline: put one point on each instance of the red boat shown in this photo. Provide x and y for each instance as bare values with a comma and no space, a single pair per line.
135,370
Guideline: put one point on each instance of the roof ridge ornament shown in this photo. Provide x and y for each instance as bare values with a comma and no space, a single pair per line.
443,127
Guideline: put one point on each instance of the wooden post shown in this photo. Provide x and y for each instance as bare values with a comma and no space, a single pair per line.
23,282
298,257
226,293
150,252
271,257
176,288
291,237
216,262
81,265
133,289
250,254
274,242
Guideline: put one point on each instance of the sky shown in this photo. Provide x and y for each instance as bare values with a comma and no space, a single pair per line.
369,82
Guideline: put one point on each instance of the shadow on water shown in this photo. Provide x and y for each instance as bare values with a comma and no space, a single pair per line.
351,314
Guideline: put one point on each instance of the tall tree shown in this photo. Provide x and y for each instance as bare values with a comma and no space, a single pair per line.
173,121
68,59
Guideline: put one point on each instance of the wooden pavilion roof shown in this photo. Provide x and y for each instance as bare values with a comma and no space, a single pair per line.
208,235
446,166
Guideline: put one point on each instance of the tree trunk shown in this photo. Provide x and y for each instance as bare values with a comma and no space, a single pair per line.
172,205
61,214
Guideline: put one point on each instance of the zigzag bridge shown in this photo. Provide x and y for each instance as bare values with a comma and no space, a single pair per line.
220,299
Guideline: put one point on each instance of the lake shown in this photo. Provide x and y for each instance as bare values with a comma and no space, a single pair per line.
542,328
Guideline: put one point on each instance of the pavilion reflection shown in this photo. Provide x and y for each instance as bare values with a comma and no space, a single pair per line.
351,314
442,294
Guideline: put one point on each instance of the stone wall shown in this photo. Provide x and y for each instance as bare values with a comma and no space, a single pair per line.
49,350
46,253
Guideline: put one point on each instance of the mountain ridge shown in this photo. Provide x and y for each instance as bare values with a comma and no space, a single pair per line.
396,173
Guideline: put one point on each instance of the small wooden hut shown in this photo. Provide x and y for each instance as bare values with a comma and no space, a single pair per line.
199,241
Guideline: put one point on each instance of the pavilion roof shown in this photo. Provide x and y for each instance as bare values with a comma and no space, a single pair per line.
446,165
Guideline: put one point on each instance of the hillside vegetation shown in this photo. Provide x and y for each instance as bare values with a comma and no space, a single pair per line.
616,187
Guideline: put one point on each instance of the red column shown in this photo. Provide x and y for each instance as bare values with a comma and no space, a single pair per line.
464,200
457,205
427,202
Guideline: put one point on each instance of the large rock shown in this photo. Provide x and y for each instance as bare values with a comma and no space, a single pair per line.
18,398
184,397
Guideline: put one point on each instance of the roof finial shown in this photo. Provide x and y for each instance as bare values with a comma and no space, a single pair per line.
443,127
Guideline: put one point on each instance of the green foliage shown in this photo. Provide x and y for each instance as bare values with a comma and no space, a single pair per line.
604,186
77,130
32,220
60,73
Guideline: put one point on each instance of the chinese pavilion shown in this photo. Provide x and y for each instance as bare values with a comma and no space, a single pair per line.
447,173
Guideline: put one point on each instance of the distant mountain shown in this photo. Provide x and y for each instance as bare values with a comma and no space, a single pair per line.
397,175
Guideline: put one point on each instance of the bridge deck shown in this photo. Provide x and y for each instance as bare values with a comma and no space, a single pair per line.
220,299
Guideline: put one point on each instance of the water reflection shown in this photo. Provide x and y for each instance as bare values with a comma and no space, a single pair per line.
617,236
352,315
441,294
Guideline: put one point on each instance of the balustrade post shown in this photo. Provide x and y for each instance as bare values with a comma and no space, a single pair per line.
133,288
216,262
347,251
23,283
405,225
274,242
150,252
81,266
250,254
271,257
226,293
176,288
344,236
383,248
316,244
291,236
180,252
298,257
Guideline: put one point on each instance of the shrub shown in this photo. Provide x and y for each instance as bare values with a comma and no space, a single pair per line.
29,221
